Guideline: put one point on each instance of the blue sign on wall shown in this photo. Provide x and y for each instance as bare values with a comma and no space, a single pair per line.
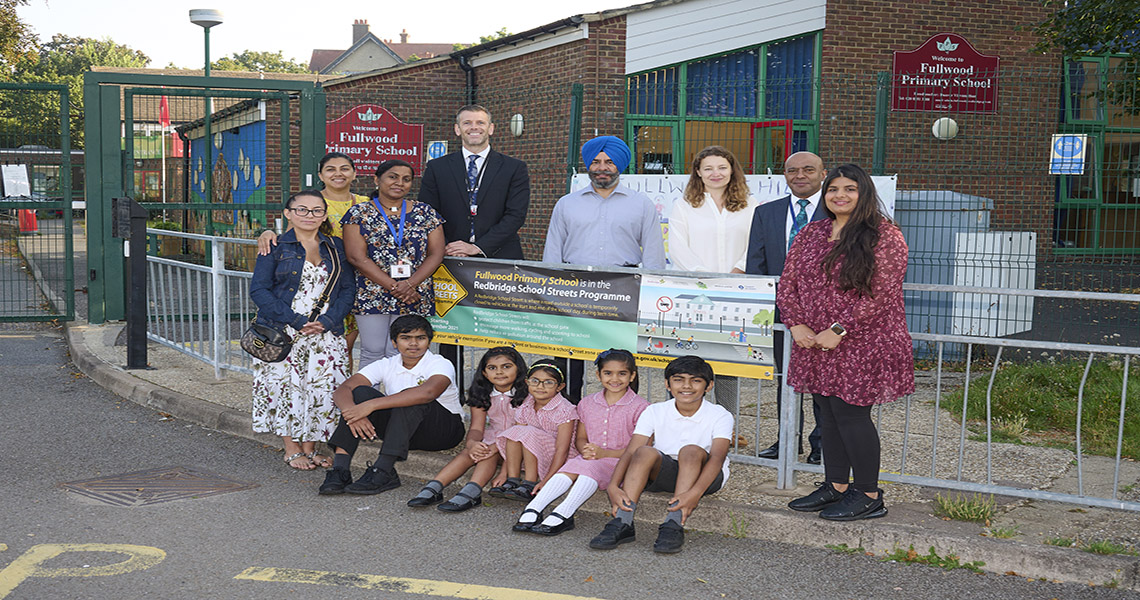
1068,154
436,149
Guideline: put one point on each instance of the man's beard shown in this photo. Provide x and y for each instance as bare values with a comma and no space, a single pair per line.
613,180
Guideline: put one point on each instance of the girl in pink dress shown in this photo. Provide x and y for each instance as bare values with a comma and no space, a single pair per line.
543,435
498,389
605,426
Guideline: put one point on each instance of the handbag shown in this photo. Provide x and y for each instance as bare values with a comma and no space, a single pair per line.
270,344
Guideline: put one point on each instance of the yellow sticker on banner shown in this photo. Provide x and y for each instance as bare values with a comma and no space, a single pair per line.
448,291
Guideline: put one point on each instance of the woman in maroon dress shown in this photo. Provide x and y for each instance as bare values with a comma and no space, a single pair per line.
840,295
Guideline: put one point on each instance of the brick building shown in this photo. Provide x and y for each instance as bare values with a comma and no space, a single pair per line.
763,78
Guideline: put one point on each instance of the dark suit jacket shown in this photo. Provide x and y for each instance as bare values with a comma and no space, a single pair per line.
504,196
767,240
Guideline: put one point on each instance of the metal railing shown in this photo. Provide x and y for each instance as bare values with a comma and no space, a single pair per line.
201,310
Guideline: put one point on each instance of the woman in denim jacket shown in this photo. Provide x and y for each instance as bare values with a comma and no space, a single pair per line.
293,398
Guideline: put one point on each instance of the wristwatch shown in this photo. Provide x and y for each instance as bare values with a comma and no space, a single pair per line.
838,329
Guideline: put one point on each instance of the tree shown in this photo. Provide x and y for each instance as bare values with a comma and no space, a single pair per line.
483,39
260,62
33,117
16,38
1084,28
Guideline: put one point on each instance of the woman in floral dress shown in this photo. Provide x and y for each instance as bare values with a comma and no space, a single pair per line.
841,297
395,244
293,398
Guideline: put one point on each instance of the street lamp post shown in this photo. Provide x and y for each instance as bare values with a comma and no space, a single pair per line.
207,18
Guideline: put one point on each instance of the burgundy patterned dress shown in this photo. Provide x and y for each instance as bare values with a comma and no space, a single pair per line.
874,363
537,430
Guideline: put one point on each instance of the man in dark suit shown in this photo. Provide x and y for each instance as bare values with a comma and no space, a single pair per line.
774,225
482,195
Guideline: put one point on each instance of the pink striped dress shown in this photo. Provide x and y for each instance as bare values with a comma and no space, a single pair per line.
609,427
500,416
537,430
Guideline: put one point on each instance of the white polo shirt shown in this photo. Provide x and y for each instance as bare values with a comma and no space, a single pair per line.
391,372
672,431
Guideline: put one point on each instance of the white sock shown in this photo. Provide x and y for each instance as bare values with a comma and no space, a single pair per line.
579,494
549,492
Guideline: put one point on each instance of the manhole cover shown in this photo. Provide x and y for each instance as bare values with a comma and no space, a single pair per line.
154,486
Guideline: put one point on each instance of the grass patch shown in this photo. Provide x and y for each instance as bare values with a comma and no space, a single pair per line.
975,508
1041,399
739,526
1004,533
948,562
1106,547
1062,542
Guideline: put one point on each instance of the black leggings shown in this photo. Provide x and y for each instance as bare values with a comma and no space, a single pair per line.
850,443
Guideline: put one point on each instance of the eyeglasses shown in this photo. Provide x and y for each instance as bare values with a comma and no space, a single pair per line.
301,211
546,383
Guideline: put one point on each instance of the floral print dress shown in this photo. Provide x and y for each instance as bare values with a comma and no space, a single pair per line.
294,397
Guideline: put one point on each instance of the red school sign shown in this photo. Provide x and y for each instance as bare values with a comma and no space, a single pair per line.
945,74
371,135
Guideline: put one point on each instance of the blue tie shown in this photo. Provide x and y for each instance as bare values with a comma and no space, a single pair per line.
800,220
473,190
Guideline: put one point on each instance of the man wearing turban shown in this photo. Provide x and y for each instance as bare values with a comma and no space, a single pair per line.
604,224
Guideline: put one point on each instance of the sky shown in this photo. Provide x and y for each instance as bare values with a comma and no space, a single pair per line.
163,31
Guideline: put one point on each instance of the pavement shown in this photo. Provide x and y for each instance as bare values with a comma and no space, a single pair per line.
750,505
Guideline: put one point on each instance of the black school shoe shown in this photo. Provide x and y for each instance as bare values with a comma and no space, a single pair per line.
854,506
553,530
435,498
670,538
500,491
335,482
614,534
374,481
466,503
821,498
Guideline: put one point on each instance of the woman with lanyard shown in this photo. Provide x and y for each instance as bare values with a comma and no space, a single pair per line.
337,172
395,244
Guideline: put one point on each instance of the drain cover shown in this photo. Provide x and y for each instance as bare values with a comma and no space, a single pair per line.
154,486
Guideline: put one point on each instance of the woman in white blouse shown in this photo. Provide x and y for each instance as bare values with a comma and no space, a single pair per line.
708,231
709,225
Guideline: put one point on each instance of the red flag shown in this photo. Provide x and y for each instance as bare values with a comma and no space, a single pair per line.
164,121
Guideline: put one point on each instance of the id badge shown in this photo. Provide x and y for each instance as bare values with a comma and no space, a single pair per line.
400,270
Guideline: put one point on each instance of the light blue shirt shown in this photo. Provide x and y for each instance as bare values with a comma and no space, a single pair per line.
622,230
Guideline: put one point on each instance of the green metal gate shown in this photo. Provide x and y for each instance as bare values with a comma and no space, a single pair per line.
207,155
36,259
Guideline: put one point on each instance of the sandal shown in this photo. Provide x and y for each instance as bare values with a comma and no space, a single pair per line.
523,492
289,461
324,462
527,527
500,491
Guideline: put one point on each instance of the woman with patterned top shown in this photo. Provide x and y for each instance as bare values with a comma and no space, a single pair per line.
841,297
395,244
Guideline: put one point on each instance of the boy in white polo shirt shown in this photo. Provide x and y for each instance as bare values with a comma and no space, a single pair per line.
421,410
688,457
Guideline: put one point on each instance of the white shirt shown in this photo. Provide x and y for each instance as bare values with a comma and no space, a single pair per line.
672,431
794,207
467,154
391,372
708,239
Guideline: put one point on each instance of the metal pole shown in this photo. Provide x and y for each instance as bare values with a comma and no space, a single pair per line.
789,423
217,264
136,293
209,147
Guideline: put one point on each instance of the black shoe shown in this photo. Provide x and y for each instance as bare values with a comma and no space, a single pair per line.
815,457
553,530
335,482
523,492
419,501
821,498
855,505
526,527
670,538
500,491
467,503
374,481
772,451
614,534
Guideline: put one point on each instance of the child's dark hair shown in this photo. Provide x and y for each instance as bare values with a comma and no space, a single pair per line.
690,365
479,394
554,366
408,324
326,226
623,356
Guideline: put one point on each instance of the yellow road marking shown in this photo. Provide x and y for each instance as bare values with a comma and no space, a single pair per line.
426,587
28,563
